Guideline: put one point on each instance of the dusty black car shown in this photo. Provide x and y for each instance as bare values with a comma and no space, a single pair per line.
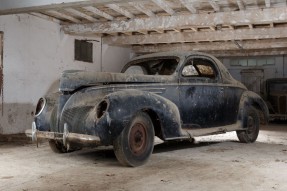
174,96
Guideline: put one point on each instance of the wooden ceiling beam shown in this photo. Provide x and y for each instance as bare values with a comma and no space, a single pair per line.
140,7
121,11
96,11
214,46
214,5
240,4
64,16
80,14
45,17
188,4
20,6
223,35
232,53
163,4
247,17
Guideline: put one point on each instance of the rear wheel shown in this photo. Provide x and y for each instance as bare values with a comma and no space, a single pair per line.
251,125
134,145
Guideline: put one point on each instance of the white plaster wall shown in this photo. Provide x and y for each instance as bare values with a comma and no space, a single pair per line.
35,54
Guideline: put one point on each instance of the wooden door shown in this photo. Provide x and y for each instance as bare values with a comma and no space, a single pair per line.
253,79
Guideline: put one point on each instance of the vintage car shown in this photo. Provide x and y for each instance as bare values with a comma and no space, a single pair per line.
276,98
174,96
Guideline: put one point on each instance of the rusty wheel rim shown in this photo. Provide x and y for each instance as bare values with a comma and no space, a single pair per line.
138,139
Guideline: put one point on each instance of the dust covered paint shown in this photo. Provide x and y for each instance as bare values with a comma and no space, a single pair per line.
173,96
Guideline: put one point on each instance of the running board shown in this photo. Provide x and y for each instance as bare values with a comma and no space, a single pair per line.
211,131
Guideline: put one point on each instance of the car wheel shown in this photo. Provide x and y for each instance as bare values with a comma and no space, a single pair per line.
57,147
251,124
134,145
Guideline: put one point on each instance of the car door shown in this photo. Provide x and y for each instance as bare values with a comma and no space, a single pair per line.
201,93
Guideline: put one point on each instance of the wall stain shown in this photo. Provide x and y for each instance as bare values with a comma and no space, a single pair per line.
17,118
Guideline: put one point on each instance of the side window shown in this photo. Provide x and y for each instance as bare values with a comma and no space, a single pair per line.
199,67
189,70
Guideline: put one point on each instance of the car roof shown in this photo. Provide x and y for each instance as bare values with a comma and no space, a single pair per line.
170,53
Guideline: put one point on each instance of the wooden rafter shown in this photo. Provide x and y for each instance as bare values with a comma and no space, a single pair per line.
265,52
162,4
188,4
80,14
226,35
98,12
45,17
62,15
120,10
214,5
20,6
215,46
240,4
247,17
140,7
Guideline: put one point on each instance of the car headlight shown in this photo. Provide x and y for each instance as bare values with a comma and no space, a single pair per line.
40,106
102,108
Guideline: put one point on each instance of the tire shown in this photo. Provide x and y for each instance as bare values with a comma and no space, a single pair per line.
57,147
251,124
134,145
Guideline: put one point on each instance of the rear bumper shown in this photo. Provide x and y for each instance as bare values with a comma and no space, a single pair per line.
65,137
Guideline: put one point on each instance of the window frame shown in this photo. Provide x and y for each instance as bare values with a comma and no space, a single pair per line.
212,64
79,45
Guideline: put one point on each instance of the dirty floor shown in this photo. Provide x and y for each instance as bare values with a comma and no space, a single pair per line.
213,163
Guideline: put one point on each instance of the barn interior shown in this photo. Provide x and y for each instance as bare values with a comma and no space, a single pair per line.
41,39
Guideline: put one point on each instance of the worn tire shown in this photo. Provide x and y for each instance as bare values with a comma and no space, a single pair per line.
251,124
134,145
57,147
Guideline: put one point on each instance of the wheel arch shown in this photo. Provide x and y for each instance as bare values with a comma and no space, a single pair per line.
163,112
157,125
251,99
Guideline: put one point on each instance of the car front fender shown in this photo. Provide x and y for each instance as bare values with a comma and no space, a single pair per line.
123,105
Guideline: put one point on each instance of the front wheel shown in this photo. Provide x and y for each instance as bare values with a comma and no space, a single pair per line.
134,145
57,147
251,125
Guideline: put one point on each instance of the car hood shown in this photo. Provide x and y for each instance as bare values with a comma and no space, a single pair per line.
72,80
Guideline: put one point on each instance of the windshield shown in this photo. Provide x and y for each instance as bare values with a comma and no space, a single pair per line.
154,66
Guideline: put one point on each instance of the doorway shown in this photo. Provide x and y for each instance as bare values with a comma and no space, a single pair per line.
253,79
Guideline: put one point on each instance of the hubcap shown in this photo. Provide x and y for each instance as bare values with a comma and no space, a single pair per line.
137,139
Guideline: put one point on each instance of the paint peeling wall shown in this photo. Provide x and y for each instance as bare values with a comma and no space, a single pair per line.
36,51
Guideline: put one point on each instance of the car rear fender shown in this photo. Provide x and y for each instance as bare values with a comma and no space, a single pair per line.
251,99
123,105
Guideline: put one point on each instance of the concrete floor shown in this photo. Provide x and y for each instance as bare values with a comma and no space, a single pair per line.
214,163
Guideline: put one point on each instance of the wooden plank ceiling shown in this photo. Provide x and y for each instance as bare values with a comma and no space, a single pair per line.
221,27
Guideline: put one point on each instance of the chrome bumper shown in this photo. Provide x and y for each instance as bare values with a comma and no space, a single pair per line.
66,137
